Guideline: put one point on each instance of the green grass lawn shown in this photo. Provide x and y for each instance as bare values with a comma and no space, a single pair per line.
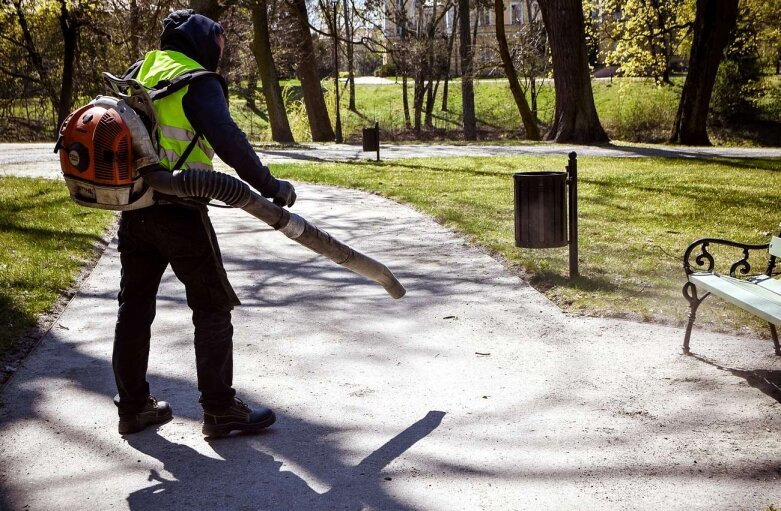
637,216
629,108
45,239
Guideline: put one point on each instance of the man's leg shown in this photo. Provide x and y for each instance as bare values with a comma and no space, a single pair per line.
195,259
211,299
142,269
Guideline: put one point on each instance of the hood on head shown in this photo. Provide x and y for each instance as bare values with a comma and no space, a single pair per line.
194,35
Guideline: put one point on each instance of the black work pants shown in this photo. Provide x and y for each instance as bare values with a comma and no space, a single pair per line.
149,240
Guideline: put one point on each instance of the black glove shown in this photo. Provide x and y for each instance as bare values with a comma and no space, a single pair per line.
286,194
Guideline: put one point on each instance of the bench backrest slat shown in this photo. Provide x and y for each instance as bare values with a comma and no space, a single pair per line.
775,246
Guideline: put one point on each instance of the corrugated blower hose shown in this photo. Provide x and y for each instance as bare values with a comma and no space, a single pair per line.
108,161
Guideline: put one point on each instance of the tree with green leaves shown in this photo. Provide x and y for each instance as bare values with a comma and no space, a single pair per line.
49,48
648,34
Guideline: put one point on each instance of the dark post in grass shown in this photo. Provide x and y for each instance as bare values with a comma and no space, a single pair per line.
572,179
541,210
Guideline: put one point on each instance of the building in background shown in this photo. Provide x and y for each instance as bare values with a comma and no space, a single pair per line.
407,19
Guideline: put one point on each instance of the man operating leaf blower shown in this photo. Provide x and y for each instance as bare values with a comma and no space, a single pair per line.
193,124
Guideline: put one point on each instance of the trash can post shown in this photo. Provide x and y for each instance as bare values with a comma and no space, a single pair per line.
572,171
546,210
377,129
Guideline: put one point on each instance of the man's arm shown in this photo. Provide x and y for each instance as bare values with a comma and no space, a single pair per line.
206,109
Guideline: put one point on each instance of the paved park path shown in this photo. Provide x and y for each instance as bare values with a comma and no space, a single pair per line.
472,392
37,160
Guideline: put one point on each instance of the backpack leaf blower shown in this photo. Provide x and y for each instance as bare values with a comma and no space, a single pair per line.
109,161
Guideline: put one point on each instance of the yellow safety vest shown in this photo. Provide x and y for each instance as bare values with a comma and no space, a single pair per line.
174,131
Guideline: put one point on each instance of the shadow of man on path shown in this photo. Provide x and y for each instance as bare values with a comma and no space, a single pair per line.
248,478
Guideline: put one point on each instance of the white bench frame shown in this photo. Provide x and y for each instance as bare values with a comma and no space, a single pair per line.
758,294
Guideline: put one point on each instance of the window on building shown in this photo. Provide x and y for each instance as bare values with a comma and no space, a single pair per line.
400,20
516,14
485,16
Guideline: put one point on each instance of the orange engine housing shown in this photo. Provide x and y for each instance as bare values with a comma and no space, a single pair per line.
96,147
96,158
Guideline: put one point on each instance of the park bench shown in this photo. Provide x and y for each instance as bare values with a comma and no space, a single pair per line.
759,294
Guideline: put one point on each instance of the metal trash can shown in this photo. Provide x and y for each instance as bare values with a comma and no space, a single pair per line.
540,209
371,138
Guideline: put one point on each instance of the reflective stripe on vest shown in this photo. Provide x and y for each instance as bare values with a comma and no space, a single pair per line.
185,135
174,131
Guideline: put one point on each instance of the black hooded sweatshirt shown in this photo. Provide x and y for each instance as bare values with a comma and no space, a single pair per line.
205,105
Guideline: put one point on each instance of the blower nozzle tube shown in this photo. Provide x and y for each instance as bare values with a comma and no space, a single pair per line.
236,193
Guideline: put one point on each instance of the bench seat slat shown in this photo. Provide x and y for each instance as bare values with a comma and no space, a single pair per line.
759,300
771,284
775,246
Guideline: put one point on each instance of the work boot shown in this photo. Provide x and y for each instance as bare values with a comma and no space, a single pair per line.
154,412
236,417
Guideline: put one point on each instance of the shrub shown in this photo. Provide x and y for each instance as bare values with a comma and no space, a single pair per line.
637,110
386,70
735,91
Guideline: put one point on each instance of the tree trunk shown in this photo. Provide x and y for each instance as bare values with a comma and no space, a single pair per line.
529,122
431,98
37,61
532,70
405,100
348,34
467,87
135,30
261,49
713,25
418,94
669,52
69,30
575,119
450,46
306,69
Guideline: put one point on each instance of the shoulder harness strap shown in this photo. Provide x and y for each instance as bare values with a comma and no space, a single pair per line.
168,87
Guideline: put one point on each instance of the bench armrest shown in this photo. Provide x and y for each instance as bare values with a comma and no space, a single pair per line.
701,260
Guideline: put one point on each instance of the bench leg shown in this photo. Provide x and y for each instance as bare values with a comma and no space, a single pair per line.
774,335
690,293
